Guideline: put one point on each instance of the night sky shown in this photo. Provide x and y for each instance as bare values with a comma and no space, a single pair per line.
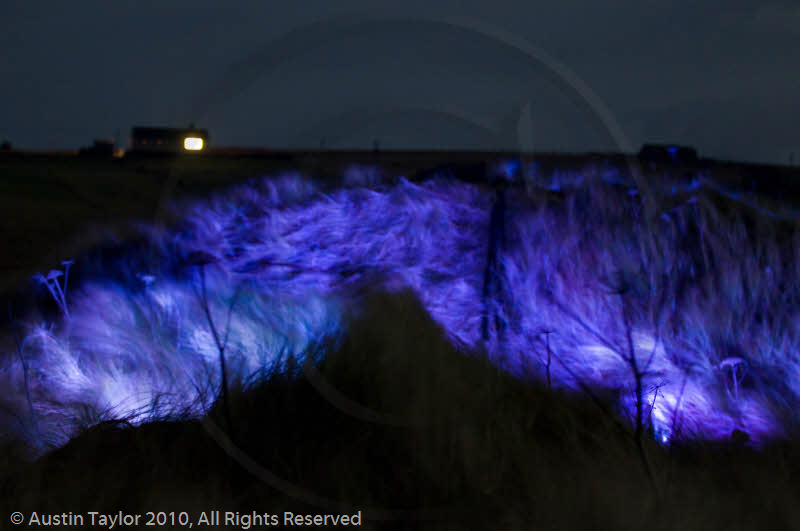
721,76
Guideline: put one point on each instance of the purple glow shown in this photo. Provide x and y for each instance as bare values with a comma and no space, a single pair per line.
708,315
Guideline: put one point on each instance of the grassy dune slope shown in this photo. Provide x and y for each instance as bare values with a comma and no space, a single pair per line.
398,424
394,420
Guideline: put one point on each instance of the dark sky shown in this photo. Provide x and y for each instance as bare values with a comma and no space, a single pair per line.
723,76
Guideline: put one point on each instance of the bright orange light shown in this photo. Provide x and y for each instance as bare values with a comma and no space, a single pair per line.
192,143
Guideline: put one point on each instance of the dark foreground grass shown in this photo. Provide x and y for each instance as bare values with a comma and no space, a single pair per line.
396,423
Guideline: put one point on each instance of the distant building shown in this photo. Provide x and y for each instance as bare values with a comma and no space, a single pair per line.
100,148
668,154
168,140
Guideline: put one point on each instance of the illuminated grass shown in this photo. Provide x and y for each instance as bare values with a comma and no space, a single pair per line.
438,439
654,300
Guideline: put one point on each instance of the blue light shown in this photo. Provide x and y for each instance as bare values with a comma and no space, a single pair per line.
510,168
282,260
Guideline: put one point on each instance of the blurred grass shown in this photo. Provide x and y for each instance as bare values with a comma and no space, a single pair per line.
490,451
48,203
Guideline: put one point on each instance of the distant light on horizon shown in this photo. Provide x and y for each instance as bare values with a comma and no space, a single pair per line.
191,143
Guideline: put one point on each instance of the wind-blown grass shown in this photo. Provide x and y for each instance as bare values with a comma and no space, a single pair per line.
453,443
652,298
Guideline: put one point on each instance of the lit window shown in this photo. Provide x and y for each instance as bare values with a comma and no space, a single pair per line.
192,143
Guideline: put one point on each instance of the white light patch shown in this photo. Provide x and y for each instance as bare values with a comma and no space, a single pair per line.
191,143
